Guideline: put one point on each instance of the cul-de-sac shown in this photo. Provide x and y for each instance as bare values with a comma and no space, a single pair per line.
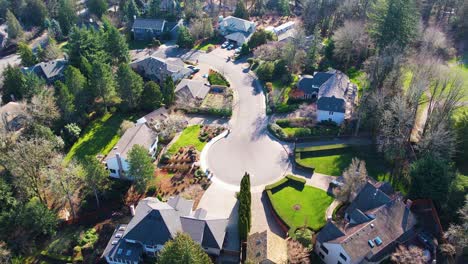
233,131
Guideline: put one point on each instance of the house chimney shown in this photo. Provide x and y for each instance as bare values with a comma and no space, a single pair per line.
119,163
132,209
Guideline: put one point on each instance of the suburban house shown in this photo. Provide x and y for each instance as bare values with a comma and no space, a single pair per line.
191,91
116,161
158,69
283,31
262,247
236,29
147,29
155,118
333,91
374,224
12,115
50,71
155,222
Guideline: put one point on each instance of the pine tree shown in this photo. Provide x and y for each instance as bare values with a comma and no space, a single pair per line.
130,86
151,98
168,91
245,203
283,7
182,249
141,167
241,10
26,54
394,21
14,28
102,82
66,15
65,101
116,45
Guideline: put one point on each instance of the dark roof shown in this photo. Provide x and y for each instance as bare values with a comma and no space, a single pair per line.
358,217
209,233
331,104
368,198
48,70
140,134
148,23
311,84
329,232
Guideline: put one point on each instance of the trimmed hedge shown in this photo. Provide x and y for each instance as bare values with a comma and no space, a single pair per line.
277,131
297,179
276,184
324,147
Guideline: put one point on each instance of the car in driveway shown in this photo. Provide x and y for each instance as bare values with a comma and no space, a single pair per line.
225,44
238,50
230,47
193,68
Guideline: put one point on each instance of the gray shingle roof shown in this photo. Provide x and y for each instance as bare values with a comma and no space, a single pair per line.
236,24
331,104
140,134
358,217
145,23
329,232
239,37
368,198
209,233
48,70
311,84
193,88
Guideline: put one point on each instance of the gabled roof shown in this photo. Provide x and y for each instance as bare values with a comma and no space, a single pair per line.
358,217
146,23
140,134
50,69
329,232
156,66
157,115
236,24
183,206
240,37
310,84
368,198
331,104
209,233
195,88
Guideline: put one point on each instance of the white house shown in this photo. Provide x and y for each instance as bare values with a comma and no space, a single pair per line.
155,222
116,160
236,29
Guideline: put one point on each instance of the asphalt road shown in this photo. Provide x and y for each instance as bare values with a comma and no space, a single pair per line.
248,147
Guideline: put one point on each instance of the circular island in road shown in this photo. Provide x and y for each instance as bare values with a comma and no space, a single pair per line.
248,147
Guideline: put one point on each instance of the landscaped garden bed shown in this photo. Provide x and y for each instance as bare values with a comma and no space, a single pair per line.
216,78
333,159
303,128
297,204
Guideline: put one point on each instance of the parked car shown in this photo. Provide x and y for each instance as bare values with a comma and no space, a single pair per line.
193,68
238,50
225,44
230,47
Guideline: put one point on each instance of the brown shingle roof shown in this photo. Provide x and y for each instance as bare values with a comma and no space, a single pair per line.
140,134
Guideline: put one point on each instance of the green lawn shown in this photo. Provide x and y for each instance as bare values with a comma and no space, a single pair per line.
99,137
189,137
205,44
337,160
216,78
300,205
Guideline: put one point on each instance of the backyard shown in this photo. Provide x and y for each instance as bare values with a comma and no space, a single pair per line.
333,159
99,137
300,205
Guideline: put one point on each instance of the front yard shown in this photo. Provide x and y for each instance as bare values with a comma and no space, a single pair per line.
99,137
189,137
299,205
333,159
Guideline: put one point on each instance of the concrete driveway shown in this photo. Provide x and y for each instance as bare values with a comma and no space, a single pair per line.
248,148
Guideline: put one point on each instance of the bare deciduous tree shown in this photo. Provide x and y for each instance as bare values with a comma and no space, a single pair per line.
43,108
408,255
354,178
297,253
201,28
457,235
351,42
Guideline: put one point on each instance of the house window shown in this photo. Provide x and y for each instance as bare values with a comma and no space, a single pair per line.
330,113
112,171
321,255
324,249
343,257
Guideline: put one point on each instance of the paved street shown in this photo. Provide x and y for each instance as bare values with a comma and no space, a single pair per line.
248,148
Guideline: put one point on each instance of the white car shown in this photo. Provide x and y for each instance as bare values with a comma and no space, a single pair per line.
238,50
230,47
225,44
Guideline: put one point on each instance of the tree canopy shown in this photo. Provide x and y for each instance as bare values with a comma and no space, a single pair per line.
182,250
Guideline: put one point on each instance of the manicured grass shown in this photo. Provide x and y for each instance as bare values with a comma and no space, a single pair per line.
300,205
205,44
216,78
189,137
336,160
99,137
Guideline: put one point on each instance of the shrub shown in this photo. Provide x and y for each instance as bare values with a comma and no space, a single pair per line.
277,131
269,86
151,190
296,179
88,238
216,78
303,132
265,71
283,122
304,236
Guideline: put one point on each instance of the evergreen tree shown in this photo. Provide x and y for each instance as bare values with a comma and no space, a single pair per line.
96,177
184,39
65,101
35,13
14,83
14,28
394,21
66,15
130,10
26,54
102,82
182,249
55,30
130,86
155,9
283,7
151,98
245,203
241,10
168,91
141,167
116,46
97,7
76,83
259,8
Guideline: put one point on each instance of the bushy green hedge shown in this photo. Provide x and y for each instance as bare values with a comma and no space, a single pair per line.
277,131
224,112
295,178
276,184
216,78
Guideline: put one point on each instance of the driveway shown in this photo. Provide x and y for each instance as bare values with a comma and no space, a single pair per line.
248,147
